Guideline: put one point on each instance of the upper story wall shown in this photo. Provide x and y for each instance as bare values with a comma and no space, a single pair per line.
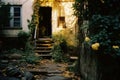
26,13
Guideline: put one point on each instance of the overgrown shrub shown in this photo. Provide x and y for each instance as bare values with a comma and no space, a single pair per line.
60,52
105,31
23,38
60,41
103,37
57,53
31,58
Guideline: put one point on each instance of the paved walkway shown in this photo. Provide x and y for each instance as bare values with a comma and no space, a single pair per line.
49,70
44,70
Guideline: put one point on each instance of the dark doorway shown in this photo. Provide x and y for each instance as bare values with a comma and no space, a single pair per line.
45,22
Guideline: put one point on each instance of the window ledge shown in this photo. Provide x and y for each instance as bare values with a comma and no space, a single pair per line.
11,28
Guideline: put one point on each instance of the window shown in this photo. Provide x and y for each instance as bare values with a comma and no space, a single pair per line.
61,22
15,15
10,16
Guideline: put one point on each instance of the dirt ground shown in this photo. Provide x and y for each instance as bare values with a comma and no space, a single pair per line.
45,69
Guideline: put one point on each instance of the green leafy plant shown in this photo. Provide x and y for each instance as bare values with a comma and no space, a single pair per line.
74,67
23,38
59,52
105,30
14,50
31,59
31,25
104,24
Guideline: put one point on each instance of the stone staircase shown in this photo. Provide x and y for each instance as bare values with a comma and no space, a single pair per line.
43,47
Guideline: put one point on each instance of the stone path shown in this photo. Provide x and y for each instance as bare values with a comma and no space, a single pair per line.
51,71
45,69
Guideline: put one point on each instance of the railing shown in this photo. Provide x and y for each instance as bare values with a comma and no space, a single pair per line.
35,36
35,33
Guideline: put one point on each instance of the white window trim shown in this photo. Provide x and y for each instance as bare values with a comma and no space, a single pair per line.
12,16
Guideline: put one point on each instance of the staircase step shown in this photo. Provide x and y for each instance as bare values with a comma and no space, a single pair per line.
43,51
73,58
45,39
47,56
44,45
43,48
41,41
39,71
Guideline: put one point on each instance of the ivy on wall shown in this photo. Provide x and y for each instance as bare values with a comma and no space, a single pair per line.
34,22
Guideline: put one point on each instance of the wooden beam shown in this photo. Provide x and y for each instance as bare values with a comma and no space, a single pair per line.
66,0
60,0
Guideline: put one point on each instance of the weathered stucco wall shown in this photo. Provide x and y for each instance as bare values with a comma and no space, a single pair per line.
10,33
67,12
26,13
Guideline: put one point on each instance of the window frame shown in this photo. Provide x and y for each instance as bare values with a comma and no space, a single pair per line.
12,20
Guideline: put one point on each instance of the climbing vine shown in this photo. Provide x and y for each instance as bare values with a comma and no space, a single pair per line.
34,22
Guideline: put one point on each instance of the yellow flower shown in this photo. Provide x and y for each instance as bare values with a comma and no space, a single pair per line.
95,46
87,39
115,46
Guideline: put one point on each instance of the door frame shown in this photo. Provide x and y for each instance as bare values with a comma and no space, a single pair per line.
45,23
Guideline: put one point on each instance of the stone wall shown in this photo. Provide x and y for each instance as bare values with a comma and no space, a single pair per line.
88,64
94,66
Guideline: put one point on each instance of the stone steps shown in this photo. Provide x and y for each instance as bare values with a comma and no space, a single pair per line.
42,51
44,47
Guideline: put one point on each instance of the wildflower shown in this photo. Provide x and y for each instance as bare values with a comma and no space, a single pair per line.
87,39
95,46
115,46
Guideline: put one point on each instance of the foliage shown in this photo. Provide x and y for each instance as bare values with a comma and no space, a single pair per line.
104,7
23,34
58,55
23,38
33,23
31,58
84,9
74,68
104,23
59,52
105,30
60,40
14,50
81,9
104,26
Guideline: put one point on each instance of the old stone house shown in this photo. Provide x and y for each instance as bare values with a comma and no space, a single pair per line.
53,16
